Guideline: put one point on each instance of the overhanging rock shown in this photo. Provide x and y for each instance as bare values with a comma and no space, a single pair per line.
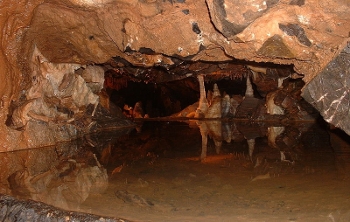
328,92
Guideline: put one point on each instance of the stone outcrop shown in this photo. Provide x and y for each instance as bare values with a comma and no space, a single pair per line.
329,91
78,33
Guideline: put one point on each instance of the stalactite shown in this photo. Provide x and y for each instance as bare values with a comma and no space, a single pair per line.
236,75
116,83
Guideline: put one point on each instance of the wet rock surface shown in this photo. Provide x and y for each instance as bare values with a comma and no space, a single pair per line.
226,171
12,209
65,176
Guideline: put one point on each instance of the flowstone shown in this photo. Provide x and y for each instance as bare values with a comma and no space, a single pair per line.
57,105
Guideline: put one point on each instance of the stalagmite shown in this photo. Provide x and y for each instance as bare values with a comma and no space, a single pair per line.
272,108
138,110
249,91
214,110
203,102
280,82
216,91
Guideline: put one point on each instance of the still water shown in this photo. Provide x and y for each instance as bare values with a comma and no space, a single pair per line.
191,171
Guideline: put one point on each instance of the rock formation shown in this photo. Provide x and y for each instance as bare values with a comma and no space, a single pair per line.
41,36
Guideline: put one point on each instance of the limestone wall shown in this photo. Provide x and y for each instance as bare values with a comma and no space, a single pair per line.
306,33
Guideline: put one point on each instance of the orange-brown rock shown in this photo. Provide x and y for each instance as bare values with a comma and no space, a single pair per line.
307,34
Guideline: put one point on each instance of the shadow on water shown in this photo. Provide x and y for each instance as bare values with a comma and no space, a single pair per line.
193,170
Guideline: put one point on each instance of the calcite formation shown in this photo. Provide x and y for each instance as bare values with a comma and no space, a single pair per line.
57,95
74,34
282,141
282,103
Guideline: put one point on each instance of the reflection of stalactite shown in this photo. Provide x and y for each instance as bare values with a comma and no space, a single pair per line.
213,129
273,133
251,146
225,105
204,133
116,83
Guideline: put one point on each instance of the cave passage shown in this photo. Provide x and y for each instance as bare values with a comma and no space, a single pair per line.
178,110
251,91
184,171
165,99
56,56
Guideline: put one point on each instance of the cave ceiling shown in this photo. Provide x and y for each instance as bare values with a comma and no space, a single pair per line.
307,34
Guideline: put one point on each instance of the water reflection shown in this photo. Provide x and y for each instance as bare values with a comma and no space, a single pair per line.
278,144
68,174
280,138
63,175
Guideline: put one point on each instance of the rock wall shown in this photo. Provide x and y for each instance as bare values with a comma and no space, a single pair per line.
306,33
329,91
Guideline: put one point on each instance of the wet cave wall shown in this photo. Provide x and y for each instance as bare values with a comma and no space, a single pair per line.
55,54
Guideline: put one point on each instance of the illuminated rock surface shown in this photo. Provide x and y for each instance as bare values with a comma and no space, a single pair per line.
329,91
66,36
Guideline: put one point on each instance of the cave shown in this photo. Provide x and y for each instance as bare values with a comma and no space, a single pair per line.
174,110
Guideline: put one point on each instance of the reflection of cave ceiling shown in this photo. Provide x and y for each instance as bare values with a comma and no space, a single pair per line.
160,40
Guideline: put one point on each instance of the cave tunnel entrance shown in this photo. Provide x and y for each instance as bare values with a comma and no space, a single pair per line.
165,99
158,100
164,91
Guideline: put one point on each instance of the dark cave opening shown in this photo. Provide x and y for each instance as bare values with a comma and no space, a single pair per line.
164,91
157,100
167,98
